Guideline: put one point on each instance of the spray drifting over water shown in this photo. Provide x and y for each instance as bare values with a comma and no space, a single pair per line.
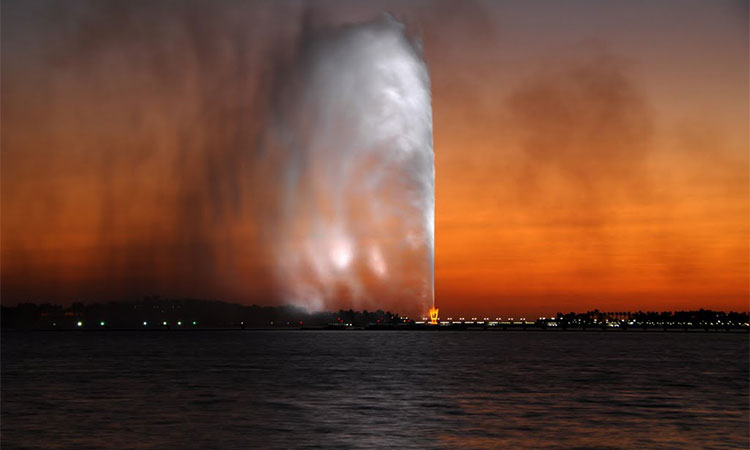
352,142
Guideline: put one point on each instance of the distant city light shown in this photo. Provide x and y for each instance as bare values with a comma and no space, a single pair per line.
80,324
179,323
164,323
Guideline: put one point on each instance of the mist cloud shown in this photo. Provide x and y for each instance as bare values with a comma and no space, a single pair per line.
198,144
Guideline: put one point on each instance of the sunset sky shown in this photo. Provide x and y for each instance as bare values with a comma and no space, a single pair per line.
588,154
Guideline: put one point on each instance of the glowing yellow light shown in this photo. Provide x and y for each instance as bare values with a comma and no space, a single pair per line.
434,315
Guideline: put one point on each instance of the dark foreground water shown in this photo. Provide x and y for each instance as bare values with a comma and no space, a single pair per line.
355,389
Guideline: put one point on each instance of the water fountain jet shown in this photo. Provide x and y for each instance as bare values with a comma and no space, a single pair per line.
353,150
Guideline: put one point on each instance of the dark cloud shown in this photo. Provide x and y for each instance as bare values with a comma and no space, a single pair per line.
172,99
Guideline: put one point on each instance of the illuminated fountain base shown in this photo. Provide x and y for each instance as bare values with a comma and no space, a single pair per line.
434,316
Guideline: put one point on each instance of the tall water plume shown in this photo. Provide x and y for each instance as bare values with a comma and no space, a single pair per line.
351,149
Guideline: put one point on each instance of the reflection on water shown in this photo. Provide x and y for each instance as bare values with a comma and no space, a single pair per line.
282,389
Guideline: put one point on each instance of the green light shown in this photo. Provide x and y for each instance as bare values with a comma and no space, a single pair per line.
195,323
101,323
164,323
80,324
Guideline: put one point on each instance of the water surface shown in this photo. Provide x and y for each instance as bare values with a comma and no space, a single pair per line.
360,389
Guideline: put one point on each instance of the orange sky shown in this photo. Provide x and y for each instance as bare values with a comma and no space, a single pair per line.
588,154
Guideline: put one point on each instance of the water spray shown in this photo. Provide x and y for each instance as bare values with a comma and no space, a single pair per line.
353,149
